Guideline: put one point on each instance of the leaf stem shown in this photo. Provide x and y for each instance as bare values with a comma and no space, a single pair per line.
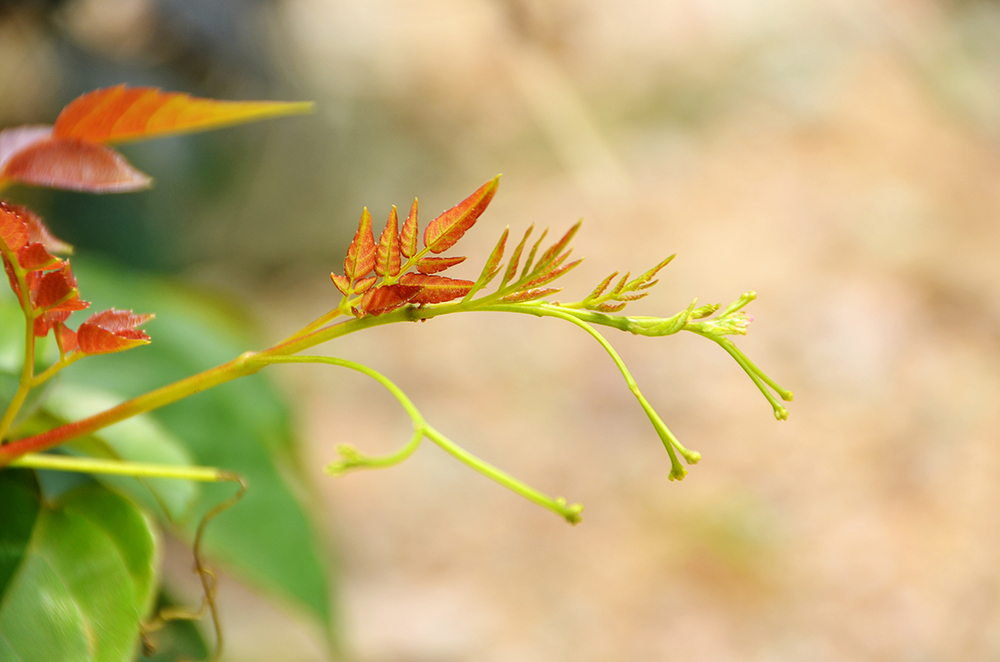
120,467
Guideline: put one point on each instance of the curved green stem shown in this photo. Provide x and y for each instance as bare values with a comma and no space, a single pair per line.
354,459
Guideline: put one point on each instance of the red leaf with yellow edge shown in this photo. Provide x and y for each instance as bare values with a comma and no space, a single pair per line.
362,285
112,331
515,259
360,258
432,265
68,163
387,260
34,256
56,291
442,233
120,113
342,283
408,235
436,289
385,298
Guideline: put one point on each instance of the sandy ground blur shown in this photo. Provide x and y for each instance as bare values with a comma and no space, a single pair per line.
840,158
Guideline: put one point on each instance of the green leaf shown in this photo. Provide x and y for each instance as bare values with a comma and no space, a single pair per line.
268,538
85,581
21,503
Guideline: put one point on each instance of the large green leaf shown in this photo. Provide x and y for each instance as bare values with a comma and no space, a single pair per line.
268,538
85,580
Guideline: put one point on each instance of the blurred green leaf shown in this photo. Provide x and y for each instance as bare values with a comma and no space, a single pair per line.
268,538
137,439
85,581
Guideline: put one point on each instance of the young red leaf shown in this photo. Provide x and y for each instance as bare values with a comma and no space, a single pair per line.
549,276
341,282
111,331
516,257
360,258
34,256
555,249
362,285
14,232
120,113
442,233
56,291
531,255
492,266
436,289
529,295
74,165
385,298
599,290
408,235
432,265
387,261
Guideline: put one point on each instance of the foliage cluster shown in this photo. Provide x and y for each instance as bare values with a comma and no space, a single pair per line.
82,558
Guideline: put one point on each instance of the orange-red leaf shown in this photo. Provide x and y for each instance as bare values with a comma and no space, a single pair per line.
492,266
75,165
432,265
56,291
34,256
408,235
382,299
556,248
112,331
360,258
387,261
436,289
362,285
515,258
341,282
120,113
66,338
442,233
13,226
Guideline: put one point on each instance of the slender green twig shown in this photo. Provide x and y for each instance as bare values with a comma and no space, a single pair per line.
352,459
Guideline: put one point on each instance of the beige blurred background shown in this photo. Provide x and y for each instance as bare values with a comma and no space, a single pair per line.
841,158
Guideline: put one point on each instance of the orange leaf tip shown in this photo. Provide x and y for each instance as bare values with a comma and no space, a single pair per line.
121,113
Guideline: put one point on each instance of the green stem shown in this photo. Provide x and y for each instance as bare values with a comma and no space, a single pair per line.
28,369
570,512
120,468
421,429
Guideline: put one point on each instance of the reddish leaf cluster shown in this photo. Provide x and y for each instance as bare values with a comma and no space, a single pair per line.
399,286
50,292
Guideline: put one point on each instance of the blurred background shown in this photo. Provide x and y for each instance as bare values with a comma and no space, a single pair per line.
840,157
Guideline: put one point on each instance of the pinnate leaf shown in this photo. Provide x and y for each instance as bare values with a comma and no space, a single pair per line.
442,233
387,260
432,265
360,258
436,289
408,235
75,165
120,113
